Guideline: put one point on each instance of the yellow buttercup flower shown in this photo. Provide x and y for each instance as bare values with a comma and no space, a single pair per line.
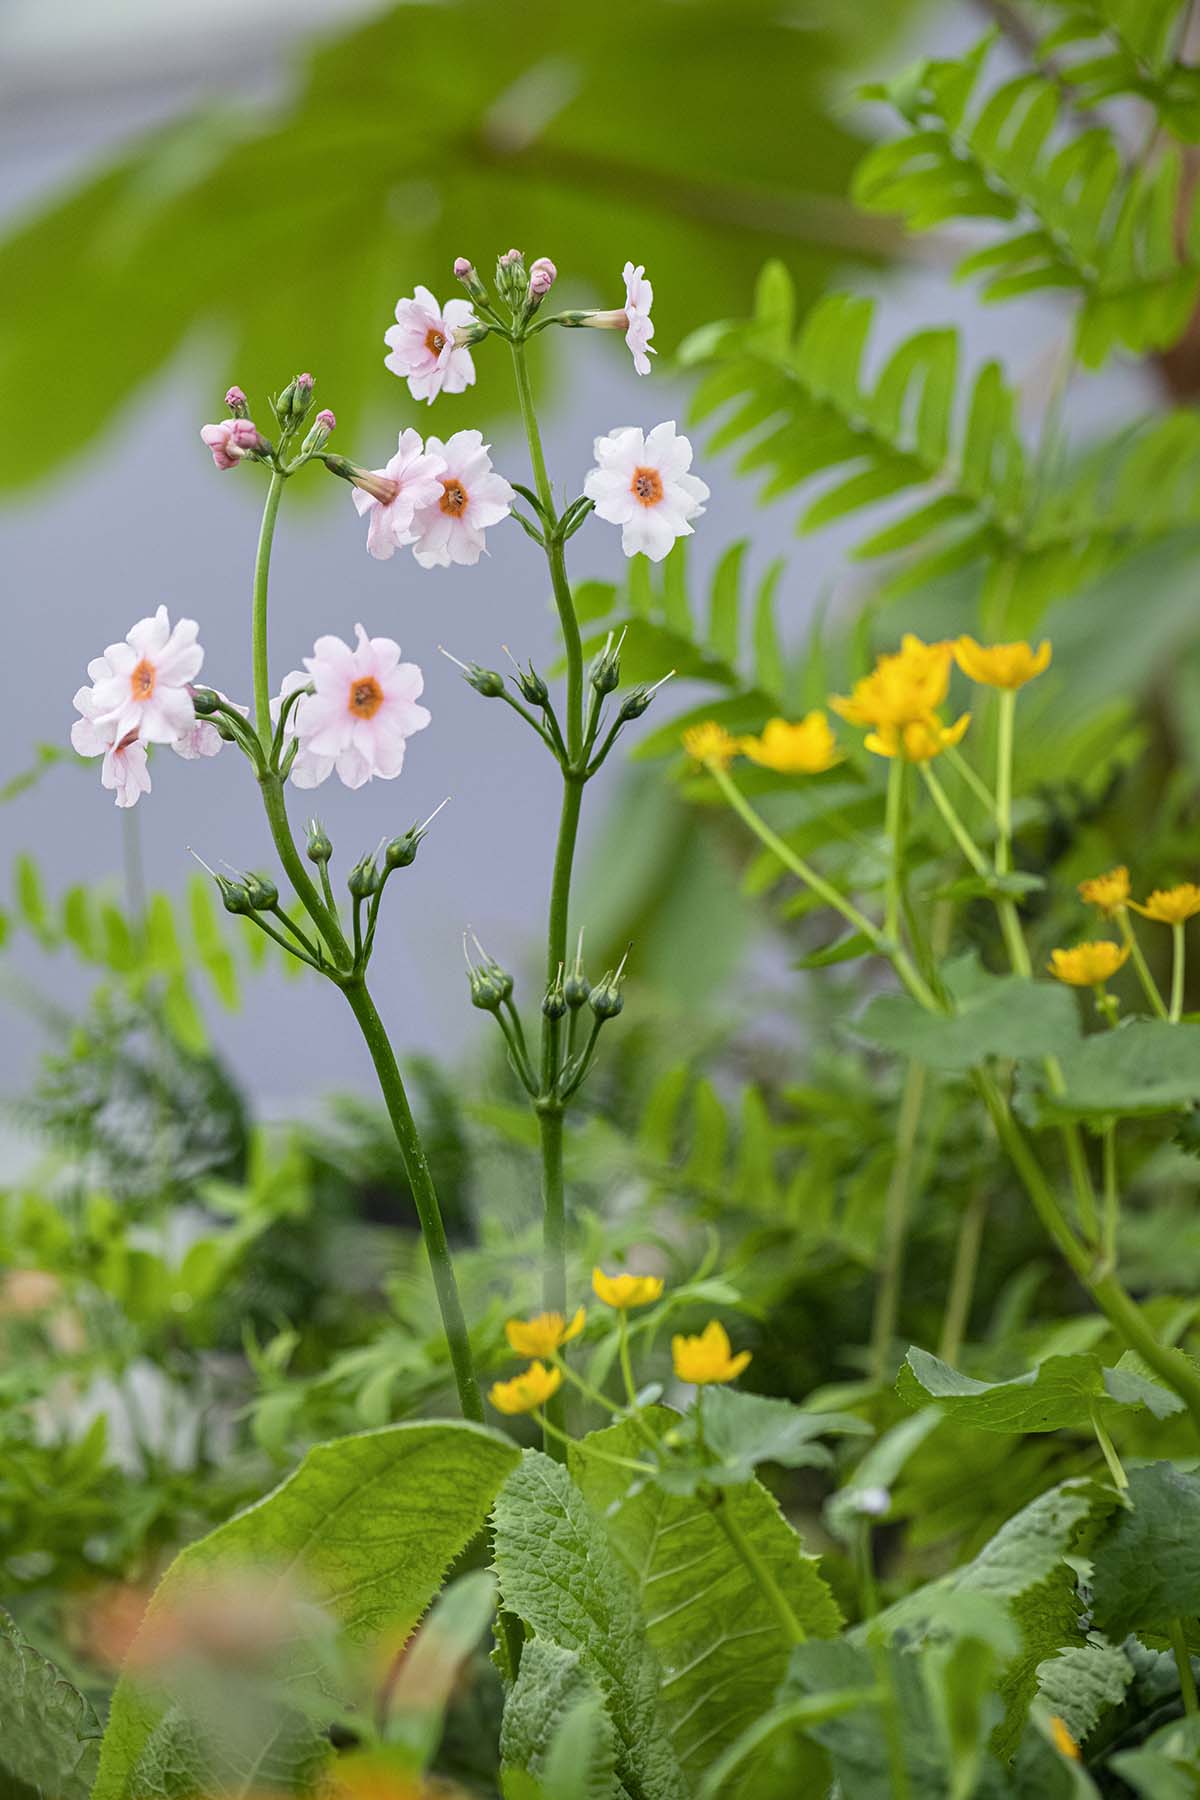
533,1387
708,1357
919,741
710,744
1001,665
1087,965
1063,1742
544,1334
805,748
624,1291
1171,906
1109,891
904,687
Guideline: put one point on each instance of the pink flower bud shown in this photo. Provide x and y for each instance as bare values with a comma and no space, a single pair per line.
463,267
305,382
231,440
236,401
326,420
510,257
542,277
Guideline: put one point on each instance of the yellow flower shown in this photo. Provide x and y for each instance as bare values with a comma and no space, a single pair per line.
1001,665
919,741
708,1357
1171,906
543,1335
624,1291
806,748
533,1387
710,744
1063,1742
904,688
1087,965
1109,891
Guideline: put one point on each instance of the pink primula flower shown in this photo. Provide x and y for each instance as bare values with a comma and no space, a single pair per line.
472,497
422,346
230,440
361,712
123,771
142,685
414,475
639,298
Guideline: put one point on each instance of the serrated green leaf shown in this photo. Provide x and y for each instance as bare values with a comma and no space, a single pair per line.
50,1734
1147,1066
1004,1016
551,1688
1147,1563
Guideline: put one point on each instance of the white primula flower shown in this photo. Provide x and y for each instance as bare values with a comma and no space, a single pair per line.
411,479
642,484
361,711
423,349
472,497
142,684
123,771
639,298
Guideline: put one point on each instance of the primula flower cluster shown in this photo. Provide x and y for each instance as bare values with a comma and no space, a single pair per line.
437,497
140,694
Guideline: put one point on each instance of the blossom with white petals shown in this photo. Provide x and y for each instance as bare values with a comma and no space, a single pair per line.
123,771
203,739
639,298
423,348
361,711
472,497
642,484
412,478
142,685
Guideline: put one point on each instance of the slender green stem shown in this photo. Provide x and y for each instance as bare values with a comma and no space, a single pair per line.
895,1226
1183,1662
962,1277
958,830
894,832
285,848
974,781
864,1567
1112,1196
425,1199
1116,1467
1177,973
624,1358
792,1629
258,645
560,1437
1138,959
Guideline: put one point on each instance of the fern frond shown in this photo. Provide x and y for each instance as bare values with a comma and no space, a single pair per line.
1079,219
1127,47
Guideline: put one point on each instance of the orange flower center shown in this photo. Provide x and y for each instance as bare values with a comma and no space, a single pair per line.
435,340
454,498
366,697
646,487
141,682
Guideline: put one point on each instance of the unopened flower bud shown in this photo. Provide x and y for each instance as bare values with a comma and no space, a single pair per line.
206,701
463,269
380,487
237,403
484,681
363,878
512,278
261,892
542,277
466,335
467,273
576,989
636,702
295,400
322,425
533,688
605,672
234,896
485,994
606,1000
318,848
403,850
554,1005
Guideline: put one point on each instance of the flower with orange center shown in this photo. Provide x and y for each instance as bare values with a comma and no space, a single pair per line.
1001,665
905,687
805,748
710,744
708,1357
624,1290
1109,892
360,712
527,1391
544,1334
642,482
471,496
918,742
1170,906
1088,965
424,348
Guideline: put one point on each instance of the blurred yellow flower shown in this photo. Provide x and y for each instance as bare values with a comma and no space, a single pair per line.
624,1291
1109,891
904,687
708,1357
1064,1743
805,748
1001,665
1171,906
919,741
710,744
1087,965
533,1387
544,1334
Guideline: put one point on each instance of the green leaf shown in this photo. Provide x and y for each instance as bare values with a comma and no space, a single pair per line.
1079,1684
1004,1016
1146,1066
1058,1393
552,1691
559,1574
1167,1766
1147,1564
369,1523
51,1734
743,1430
717,1640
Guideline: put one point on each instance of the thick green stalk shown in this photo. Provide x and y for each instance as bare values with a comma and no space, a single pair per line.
895,1221
1177,970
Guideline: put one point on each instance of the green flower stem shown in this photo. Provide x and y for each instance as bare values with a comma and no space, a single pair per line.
1177,972
549,1107
962,1278
324,917
975,782
792,1629
1183,1662
901,961
958,830
894,832
1138,959
560,1437
1112,1197
1116,1467
895,1225
585,1387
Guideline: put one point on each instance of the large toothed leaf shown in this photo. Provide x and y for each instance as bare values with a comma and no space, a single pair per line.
367,1525
49,1733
